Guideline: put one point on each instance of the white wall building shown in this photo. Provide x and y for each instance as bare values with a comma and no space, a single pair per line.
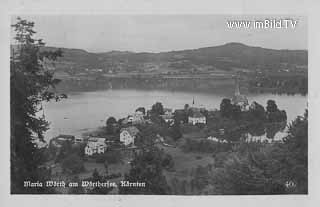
197,118
128,135
95,145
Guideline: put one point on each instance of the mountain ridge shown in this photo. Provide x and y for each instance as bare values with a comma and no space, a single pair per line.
226,56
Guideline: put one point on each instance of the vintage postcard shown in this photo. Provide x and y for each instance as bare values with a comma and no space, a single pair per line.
159,104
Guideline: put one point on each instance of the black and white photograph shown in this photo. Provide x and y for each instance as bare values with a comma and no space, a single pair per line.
159,104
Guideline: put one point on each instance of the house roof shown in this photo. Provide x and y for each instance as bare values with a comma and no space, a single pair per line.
239,99
131,130
197,114
167,110
65,136
165,116
96,139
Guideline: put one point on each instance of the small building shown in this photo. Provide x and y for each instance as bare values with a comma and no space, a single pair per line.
212,138
40,143
95,145
79,140
58,141
168,118
128,135
196,118
65,137
136,118
167,111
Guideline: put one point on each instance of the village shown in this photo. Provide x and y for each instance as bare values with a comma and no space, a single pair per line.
189,137
127,127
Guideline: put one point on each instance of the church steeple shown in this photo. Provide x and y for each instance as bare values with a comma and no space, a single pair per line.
237,87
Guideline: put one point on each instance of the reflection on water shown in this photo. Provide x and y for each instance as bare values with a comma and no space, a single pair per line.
88,110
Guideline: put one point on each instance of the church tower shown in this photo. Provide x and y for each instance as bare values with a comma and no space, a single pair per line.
237,87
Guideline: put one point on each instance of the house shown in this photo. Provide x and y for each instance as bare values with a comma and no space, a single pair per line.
64,137
136,118
79,140
40,143
95,145
212,138
167,111
59,140
239,99
168,118
196,117
128,135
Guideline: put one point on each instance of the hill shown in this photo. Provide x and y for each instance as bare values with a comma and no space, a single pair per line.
223,57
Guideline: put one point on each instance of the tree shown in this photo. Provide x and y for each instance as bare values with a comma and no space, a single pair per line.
141,109
297,148
30,84
175,131
226,108
271,106
255,168
64,151
157,109
96,177
73,164
186,107
147,167
147,136
257,111
111,120
111,125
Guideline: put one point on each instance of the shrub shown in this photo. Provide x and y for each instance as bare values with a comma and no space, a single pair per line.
73,164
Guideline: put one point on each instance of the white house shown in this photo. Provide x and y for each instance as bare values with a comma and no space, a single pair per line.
168,118
197,118
128,135
212,138
167,111
136,118
95,145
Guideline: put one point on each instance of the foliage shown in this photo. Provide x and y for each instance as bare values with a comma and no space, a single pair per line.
257,168
205,146
257,111
110,157
30,84
229,110
111,120
226,107
271,106
72,164
111,125
180,116
175,131
141,109
96,177
64,151
147,167
157,109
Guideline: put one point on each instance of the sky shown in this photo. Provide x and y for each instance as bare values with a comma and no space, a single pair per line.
158,33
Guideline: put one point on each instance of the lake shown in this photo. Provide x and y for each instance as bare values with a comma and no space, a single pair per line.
85,111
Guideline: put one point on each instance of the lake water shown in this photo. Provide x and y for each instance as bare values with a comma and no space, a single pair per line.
86,111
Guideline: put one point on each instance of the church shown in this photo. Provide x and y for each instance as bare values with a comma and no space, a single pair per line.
238,99
195,115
